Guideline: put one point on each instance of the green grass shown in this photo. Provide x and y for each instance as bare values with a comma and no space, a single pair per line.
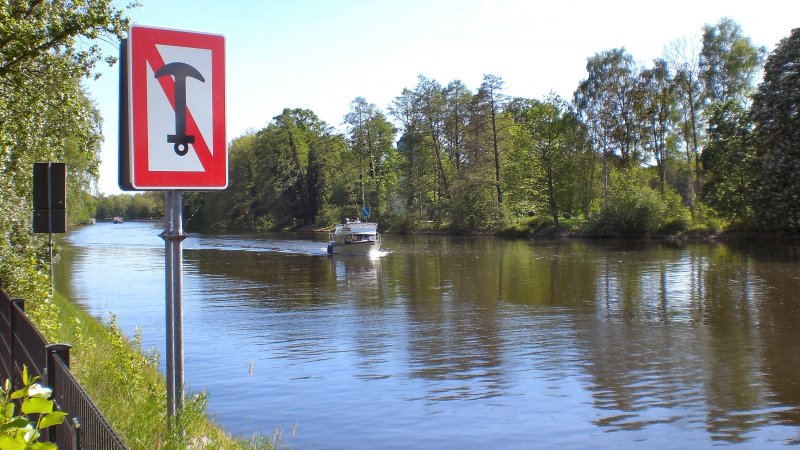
127,387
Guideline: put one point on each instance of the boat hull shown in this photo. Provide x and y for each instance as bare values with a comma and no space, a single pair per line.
355,248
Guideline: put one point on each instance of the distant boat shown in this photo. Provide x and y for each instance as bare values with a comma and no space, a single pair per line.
117,220
354,238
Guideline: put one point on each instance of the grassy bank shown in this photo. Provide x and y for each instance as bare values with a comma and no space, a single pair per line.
129,390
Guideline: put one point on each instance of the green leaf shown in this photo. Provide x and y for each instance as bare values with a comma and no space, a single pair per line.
43,446
9,410
16,423
37,405
19,393
54,418
12,443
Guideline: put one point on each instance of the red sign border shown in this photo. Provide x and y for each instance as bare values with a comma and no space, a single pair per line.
141,47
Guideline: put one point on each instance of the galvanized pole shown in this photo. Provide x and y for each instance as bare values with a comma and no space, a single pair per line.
169,291
177,255
173,269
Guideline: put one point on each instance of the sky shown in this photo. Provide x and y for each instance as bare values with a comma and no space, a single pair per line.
322,54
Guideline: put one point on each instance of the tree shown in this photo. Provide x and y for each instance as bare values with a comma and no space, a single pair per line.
608,94
457,101
45,50
491,91
31,30
371,139
545,150
419,163
728,161
685,63
656,106
776,114
605,103
289,156
729,62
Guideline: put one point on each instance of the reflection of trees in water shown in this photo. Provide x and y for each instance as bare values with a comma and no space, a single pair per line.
778,319
700,334
679,338
453,335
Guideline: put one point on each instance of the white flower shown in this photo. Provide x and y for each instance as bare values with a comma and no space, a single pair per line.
37,390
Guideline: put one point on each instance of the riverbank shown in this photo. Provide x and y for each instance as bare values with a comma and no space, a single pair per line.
125,384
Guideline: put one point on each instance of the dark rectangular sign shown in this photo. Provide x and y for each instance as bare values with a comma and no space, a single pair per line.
49,198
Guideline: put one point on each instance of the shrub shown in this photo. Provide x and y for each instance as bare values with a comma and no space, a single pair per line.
633,208
17,430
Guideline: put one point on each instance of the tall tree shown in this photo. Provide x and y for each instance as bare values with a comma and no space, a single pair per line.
545,156
684,60
421,164
457,101
776,113
45,49
609,92
728,161
729,62
430,105
656,106
605,103
491,91
371,138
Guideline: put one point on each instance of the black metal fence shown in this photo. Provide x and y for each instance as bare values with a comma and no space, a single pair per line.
22,344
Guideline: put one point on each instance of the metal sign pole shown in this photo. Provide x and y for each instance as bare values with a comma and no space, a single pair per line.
173,269
177,268
169,290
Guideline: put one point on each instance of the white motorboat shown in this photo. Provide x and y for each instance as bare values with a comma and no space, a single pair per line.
354,238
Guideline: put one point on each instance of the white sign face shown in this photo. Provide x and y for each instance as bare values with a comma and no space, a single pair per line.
177,110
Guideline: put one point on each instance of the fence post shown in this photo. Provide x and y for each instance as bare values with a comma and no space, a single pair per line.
54,351
12,334
76,425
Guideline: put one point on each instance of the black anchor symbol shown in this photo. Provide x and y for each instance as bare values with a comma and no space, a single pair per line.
180,71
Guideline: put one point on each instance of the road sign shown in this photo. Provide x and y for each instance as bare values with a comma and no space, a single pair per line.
175,106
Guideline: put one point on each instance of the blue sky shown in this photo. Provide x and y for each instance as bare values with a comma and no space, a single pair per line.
321,55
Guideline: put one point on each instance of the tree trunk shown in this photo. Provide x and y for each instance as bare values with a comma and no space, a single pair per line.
496,156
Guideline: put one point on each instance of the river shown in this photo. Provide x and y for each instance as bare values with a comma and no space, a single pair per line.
475,342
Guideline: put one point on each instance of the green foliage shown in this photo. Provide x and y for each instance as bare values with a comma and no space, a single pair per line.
777,121
633,208
46,48
729,62
546,160
728,162
474,207
281,177
456,146
607,98
527,227
370,154
17,430
144,205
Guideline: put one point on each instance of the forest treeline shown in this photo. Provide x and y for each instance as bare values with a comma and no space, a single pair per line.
686,144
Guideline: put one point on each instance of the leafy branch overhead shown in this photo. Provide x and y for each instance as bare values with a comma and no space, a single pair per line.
37,28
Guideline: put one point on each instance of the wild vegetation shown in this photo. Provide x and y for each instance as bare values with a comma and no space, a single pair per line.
685,145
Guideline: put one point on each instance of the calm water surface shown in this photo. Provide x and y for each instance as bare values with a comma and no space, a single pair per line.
468,342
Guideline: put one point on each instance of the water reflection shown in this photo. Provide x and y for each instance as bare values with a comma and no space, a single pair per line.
479,341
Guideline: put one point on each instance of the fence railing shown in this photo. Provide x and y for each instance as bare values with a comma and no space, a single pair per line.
22,344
